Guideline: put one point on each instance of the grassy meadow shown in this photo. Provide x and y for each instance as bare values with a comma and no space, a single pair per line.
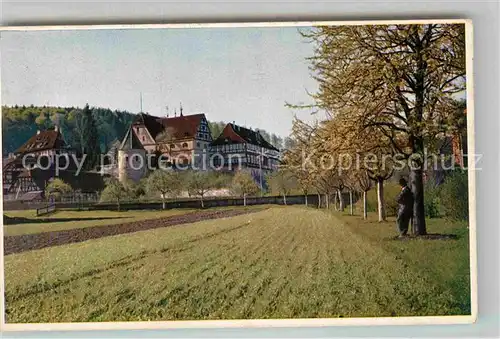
282,262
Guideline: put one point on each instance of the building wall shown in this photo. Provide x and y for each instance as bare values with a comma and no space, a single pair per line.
190,150
201,153
143,135
129,164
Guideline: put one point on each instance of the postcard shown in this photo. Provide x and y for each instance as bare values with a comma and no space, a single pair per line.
238,175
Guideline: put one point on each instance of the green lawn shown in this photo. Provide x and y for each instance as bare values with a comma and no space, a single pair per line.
79,219
284,262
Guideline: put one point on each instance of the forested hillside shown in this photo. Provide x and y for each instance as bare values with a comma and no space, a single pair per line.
19,123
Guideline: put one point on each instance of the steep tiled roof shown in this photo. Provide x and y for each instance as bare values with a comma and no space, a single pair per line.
152,123
48,139
130,141
182,127
236,134
33,195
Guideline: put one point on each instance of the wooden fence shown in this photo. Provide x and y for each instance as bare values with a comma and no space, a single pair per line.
46,210
312,200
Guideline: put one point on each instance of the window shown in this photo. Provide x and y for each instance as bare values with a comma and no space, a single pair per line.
172,146
143,138
198,144
185,145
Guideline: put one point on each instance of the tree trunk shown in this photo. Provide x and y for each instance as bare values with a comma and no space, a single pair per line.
202,203
335,202
118,205
305,199
319,200
417,187
351,211
284,199
244,199
380,200
327,201
163,203
417,142
365,205
341,201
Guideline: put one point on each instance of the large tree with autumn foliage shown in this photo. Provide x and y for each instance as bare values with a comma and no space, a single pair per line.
400,79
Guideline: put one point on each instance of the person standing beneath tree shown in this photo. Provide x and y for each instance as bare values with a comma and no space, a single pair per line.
405,210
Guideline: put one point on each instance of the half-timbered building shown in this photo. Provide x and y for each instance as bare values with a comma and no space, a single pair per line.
27,171
238,148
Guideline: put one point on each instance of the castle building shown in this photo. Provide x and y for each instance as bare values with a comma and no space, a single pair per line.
182,141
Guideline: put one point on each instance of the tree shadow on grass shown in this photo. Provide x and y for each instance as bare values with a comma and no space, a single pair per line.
19,220
428,236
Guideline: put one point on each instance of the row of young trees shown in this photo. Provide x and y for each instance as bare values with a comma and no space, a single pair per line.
171,184
389,92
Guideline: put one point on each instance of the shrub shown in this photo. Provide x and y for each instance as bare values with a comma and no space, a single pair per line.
454,195
431,200
56,188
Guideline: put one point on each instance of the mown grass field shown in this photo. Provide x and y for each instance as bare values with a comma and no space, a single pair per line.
66,219
284,262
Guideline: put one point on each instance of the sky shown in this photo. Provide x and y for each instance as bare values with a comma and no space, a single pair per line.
241,74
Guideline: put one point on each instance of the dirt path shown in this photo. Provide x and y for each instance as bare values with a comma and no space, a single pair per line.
28,242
